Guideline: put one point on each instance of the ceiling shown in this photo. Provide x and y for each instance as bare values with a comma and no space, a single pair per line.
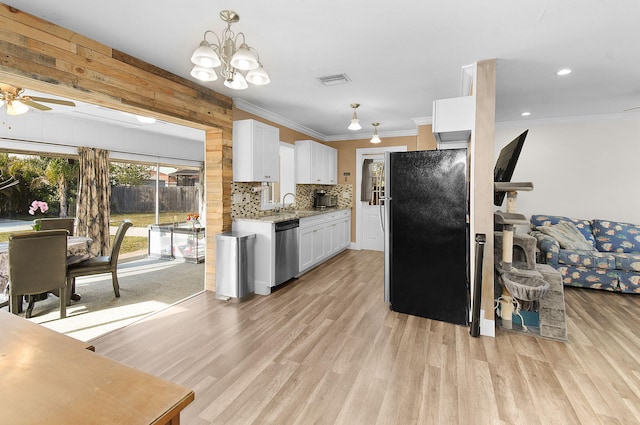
87,111
399,56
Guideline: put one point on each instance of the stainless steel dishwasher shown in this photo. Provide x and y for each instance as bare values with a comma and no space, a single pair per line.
286,250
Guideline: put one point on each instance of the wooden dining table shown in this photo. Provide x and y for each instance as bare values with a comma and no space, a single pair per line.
51,378
78,249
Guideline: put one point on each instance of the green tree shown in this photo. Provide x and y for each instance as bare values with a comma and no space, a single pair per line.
5,178
128,174
28,170
53,180
59,173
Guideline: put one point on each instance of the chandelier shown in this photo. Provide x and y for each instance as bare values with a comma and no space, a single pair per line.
232,58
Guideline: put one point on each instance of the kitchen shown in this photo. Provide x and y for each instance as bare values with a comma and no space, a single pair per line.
297,226
287,233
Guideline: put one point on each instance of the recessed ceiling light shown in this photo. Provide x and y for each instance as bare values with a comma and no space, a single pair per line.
565,71
525,114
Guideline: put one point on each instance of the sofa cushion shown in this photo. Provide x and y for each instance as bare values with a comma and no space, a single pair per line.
587,259
590,278
614,236
584,226
629,282
567,235
628,262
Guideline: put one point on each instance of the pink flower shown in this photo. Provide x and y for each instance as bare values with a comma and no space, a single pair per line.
41,205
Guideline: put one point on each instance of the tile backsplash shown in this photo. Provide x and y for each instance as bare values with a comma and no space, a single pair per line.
304,194
247,196
250,203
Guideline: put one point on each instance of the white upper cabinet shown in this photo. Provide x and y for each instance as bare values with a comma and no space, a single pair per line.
256,148
316,163
453,120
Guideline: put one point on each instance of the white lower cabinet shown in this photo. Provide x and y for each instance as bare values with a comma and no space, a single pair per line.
336,240
323,236
319,238
319,243
305,248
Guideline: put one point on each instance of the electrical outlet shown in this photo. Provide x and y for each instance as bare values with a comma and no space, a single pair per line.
237,198
345,195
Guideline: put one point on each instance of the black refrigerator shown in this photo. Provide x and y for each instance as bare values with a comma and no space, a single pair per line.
426,234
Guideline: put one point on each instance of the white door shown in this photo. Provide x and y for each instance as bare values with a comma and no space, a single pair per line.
372,236
369,234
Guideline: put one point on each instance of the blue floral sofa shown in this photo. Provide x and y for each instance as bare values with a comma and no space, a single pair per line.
609,259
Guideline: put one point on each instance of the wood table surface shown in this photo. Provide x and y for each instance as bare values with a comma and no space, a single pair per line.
50,378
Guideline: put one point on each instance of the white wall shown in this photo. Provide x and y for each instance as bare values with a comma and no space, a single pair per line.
582,168
73,132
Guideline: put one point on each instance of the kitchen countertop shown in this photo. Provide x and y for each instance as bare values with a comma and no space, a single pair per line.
285,215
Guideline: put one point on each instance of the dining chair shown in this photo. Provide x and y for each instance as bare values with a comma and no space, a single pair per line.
37,264
99,265
56,223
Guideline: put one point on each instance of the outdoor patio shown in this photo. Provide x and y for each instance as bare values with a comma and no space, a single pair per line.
147,285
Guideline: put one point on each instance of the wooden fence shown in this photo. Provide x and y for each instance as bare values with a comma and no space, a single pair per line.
137,199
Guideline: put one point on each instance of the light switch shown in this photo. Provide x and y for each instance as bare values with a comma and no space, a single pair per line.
237,198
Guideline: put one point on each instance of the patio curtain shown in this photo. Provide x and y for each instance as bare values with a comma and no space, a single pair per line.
94,194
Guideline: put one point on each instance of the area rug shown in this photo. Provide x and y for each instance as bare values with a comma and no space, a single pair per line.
146,286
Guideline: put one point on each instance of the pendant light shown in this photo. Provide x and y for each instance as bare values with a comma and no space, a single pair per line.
355,122
375,138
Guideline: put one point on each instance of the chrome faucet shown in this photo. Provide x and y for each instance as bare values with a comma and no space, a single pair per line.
285,197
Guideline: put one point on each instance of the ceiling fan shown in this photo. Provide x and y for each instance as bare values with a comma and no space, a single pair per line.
632,109
18,103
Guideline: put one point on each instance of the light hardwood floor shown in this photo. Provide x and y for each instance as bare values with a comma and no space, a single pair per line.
325,349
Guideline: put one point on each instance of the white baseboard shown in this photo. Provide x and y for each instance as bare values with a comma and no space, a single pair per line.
261,288
487,327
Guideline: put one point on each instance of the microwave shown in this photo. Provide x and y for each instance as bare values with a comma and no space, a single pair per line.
323,200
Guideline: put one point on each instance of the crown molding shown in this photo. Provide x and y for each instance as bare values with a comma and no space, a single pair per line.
567,120
263,113
367,135
422,121
268,115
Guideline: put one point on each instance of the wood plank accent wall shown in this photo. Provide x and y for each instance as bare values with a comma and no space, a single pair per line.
45,57
485,89
219,176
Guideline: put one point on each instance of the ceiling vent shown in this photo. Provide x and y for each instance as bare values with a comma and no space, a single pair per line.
334,80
